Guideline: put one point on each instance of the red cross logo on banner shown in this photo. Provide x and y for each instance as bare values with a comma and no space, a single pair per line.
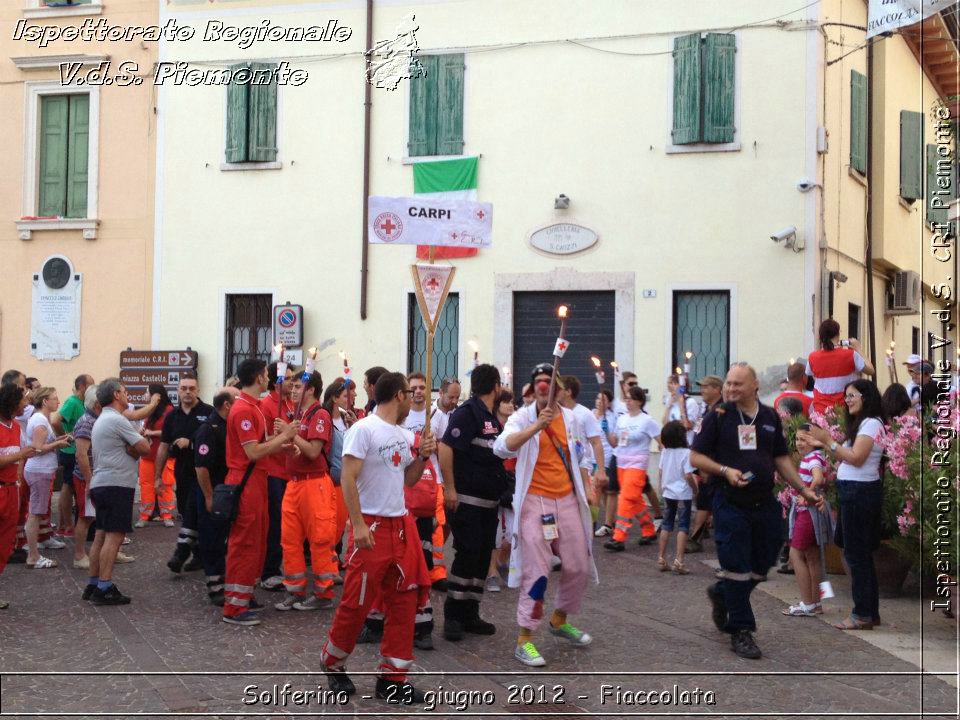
481,215
395,458
388,226
433,284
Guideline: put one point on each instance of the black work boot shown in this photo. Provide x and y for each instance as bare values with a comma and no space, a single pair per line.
744,646
180,555
338,680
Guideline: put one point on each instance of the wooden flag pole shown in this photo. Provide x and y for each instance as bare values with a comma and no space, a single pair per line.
431,330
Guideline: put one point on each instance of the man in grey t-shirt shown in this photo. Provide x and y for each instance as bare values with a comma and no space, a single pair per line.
117,448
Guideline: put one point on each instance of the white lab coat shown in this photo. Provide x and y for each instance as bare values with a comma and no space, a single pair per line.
526,460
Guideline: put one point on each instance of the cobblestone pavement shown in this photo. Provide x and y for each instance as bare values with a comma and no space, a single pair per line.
642,621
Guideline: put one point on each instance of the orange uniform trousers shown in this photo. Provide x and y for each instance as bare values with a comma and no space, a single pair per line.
439,570
148,495
9,509
632,504
309,513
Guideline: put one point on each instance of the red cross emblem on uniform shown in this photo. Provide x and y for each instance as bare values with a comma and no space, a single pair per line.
481,214
395,458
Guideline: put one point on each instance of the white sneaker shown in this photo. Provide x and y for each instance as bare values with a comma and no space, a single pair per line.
272,582
83,562
126,540
52,544
140,523
122,557
287,603
313,603
492,584
529,655
169,523
602,531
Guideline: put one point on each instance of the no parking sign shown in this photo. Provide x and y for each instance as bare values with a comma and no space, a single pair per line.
288,325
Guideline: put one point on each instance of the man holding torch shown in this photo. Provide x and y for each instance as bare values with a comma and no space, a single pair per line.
552,512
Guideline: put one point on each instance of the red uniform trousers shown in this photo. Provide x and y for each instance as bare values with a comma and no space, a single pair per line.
632,504
439,570
22,509
247,546
308,513
394,566
9,509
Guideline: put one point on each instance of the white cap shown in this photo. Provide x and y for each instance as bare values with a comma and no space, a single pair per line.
913,360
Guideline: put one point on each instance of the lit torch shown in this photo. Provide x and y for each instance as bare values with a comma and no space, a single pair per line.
598,369
308,369
558,350
475,346
346,369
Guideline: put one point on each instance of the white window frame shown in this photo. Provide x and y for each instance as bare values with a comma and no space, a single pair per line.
732,330
35,90
36,9
703,147
412,160
243,166
404,326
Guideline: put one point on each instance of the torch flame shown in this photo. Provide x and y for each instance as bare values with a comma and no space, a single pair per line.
473,345
613,364
688,355
893,344
596,361
278,348
562,311
342,355
792,360
679,370
313,352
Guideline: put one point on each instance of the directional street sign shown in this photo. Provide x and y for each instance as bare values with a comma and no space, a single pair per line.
140,368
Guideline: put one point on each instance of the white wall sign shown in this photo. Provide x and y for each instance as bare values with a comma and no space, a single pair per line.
55,311
563,238
889,15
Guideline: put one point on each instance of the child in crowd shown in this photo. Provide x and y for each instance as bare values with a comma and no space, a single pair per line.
809,529
677,484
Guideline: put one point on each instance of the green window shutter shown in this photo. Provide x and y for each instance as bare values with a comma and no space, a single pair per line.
718,87
911,155
78,140
54,113
262,118
450,104
858,122
237,95
423,109
686,89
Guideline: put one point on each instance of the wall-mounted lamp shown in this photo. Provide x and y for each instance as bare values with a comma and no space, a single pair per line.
562,202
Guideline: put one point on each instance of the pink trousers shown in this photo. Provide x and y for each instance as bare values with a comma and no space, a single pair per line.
536,553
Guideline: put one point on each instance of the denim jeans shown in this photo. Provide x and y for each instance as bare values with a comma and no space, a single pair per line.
860,518
748,541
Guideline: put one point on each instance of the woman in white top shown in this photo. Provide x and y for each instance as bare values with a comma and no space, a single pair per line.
635,431
681,408
607,417
39,470
861,496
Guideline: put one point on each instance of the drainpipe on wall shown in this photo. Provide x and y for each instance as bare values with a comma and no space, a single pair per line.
365,247
868,254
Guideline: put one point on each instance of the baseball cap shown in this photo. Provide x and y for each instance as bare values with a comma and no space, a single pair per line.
711,380
913,360
541,369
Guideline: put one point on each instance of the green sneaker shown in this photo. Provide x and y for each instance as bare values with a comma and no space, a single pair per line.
569,632
529,655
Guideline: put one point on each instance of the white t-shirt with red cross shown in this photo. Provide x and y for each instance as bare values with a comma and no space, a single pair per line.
386,451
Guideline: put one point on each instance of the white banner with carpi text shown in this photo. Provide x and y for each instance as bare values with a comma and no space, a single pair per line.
889,15
423,221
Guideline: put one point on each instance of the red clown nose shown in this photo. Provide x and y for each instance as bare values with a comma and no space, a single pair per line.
543,385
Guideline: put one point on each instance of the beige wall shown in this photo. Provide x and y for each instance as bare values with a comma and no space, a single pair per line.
545,119
901,240
117,265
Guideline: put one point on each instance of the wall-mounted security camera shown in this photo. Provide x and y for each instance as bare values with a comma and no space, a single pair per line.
562,202
784,235
807,185
788,236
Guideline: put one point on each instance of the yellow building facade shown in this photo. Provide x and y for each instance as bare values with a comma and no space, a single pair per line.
77,191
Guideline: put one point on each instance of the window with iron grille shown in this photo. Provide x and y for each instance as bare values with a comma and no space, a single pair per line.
915,340
446,341
853,320
249,330
701,325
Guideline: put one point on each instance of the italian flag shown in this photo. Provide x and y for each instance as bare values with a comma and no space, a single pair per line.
446,180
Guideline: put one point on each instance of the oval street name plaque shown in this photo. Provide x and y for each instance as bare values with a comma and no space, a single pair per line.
563,238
